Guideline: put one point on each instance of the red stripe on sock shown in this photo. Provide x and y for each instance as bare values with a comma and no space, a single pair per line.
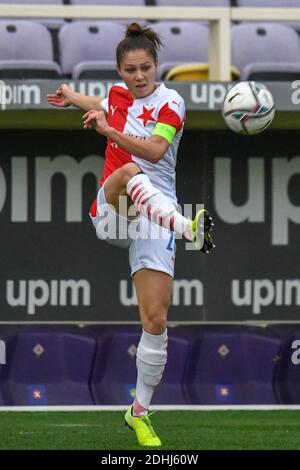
148,209
134,198
172,220
156,216
143,193
138,409
134,188
144,200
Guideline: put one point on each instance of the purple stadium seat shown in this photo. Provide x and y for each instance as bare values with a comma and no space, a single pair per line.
48,366
114,374
5,349
170,390
123,22
268,3
216,372
111,3
26,51
287,382
263,352
272,4
108,2
54,23
232,365
266,51
90,45
194,3
177,38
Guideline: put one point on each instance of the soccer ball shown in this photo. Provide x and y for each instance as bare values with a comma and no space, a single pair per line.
248,108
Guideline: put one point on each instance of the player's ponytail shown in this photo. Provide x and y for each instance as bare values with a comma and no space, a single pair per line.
139,37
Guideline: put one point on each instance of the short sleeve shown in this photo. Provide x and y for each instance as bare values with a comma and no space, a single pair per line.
172,112
104,104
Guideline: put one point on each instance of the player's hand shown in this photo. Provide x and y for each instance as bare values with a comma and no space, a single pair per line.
62,97
96,119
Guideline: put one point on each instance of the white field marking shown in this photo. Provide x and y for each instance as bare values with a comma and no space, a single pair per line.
71,425
24,433
156,407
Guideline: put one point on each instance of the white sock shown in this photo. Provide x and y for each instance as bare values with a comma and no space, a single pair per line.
154,205
151,359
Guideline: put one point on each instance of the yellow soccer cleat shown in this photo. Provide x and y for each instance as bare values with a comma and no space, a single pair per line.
143,428
202,227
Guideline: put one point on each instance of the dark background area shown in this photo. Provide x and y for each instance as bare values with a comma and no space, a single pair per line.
60,251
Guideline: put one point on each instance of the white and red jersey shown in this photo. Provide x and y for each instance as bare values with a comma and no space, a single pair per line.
137,118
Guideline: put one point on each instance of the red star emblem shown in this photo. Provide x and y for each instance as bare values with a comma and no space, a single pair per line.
147,115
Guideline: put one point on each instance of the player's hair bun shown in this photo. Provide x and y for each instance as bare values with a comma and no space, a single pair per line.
134,30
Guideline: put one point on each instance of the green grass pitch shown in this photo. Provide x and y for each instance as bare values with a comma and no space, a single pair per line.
178,430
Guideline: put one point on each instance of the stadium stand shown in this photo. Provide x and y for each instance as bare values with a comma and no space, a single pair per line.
51,23
287,380
232,365
260,53
5,337
107,2
26,51
206,365
194,3
177,38
268,3
88,48
112,3
48,366
272,4
263,351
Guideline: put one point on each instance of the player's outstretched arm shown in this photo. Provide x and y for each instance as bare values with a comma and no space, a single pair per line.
65,96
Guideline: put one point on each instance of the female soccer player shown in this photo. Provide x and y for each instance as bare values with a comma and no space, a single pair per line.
143,122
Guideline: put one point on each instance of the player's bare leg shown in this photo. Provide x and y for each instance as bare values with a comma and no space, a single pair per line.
153,290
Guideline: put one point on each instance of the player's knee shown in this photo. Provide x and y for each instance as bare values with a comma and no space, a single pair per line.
155,318
155,325
127,172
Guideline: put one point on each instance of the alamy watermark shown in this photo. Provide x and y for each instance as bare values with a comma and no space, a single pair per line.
2,96
295,96
295,358
2,352
125,223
